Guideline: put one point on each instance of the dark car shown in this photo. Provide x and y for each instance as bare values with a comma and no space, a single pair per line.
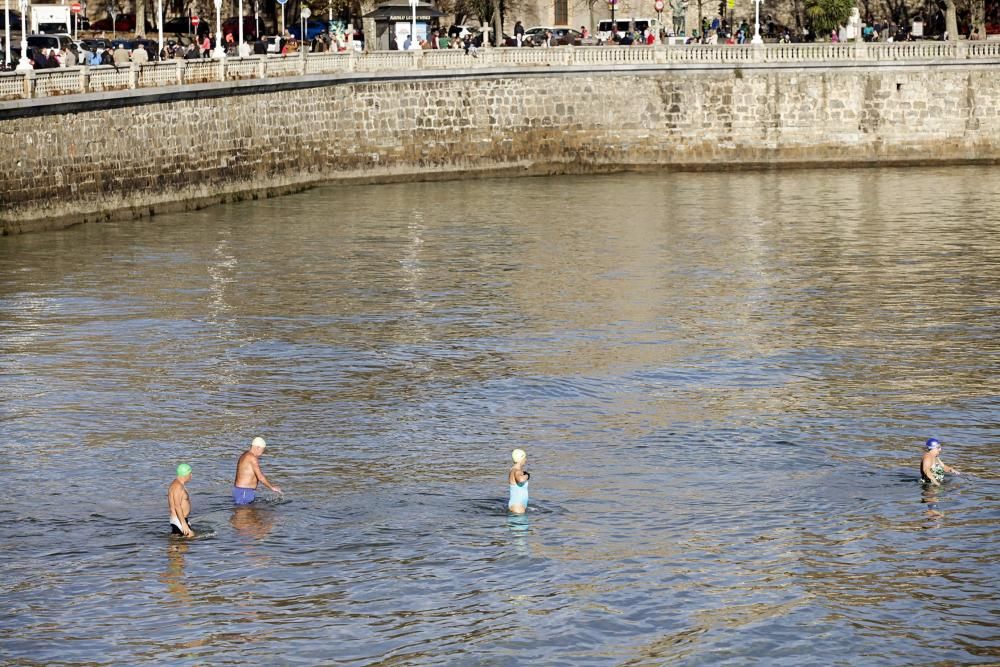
123,23
15,20
181,25
231,26
561,36
313,29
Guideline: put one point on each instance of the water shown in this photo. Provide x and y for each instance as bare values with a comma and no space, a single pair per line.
722,381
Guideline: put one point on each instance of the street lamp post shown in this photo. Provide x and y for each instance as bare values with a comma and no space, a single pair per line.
413,24
159,25
239,45
219,52
303,22
614,26
756,25
24,64
6,33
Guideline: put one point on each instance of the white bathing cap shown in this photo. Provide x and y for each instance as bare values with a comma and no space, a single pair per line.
258,442
518,455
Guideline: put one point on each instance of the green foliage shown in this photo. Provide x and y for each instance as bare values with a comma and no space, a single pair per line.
827,15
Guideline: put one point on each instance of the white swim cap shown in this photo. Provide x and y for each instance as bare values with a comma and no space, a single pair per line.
518,455
258,442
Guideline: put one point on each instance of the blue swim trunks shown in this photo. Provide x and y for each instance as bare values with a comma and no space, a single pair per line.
518,495
243,496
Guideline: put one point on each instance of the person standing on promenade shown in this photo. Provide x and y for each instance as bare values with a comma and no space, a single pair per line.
932,468
519,33
249,474
180,502
518,478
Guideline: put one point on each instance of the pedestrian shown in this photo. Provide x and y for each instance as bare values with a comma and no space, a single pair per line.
249,474
519,33
139,55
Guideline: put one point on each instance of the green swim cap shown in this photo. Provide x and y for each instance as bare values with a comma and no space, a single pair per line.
183,470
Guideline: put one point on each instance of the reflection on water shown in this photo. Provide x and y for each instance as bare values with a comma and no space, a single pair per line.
723,380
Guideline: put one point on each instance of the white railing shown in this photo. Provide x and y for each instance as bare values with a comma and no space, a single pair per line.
73,80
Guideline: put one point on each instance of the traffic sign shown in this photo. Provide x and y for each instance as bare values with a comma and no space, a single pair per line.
306,12
282,2
195,21
658,5
76,8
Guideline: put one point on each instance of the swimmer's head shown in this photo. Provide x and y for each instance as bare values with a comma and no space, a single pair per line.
518,455
258,442
932,444
183,470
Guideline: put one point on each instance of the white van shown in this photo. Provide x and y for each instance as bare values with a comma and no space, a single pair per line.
625,25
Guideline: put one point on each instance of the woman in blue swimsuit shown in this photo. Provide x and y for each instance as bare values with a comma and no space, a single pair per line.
518,480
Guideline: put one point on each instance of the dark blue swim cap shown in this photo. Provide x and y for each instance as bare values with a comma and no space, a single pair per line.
932,444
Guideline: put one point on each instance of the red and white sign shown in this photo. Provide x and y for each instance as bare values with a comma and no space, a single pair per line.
195,21
658,5
76,8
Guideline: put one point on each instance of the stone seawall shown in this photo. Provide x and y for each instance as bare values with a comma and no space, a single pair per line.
98,157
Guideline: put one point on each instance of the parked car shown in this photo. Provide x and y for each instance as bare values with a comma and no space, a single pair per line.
313,29
231,26
181,25
50,41
15,20
561,35
123,23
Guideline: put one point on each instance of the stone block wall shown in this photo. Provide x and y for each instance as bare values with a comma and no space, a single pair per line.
106,157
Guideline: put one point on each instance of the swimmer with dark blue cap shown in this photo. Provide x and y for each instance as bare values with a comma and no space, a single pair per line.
932,468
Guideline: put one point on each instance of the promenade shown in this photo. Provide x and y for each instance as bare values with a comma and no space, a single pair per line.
83,80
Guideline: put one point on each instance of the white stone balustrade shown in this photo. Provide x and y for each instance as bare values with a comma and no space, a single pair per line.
76,80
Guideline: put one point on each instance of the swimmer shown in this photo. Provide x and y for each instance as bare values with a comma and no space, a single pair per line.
518,480
248,474
180,502
932,468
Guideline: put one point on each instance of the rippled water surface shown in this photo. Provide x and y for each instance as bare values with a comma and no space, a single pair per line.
723,382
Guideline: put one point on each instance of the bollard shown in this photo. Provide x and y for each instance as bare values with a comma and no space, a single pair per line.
84,79
262,67
133,75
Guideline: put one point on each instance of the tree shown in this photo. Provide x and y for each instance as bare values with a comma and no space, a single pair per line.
827,15
950,20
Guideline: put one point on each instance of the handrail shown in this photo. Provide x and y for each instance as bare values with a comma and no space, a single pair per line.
80,80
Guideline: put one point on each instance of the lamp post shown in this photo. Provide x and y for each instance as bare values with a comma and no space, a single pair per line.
6,33
219,51
413,24
159,26
256,18
614,26
25,64
239,44
303,22
756,24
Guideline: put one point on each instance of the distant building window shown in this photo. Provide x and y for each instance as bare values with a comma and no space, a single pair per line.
562,12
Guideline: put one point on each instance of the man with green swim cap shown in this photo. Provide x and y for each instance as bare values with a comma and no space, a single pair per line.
180,502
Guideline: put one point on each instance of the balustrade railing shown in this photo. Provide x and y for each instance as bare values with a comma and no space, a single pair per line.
74,80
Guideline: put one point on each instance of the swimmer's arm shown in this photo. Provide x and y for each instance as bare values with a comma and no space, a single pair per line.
521,476
263,480
948,468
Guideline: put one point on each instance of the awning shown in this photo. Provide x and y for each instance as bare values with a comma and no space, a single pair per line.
402,11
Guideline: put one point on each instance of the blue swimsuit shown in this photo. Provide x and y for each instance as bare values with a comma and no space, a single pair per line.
518,495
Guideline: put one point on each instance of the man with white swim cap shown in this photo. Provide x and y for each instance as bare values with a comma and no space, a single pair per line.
249,474
180,502
518,478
